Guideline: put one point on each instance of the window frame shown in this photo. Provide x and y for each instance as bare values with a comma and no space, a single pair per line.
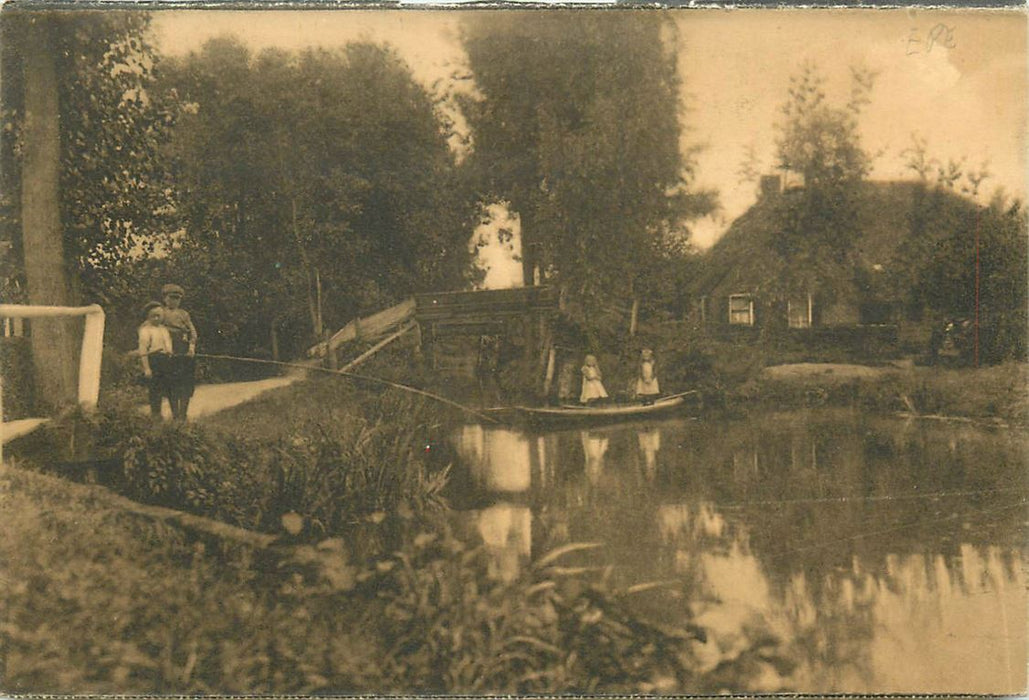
808,318
749,311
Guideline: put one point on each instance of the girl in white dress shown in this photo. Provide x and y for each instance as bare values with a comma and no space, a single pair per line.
647,388
592,386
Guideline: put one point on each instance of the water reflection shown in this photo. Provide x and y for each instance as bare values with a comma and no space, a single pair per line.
650,443
506,531
885,556
593,448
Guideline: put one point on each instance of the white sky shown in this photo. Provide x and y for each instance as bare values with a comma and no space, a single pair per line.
965,91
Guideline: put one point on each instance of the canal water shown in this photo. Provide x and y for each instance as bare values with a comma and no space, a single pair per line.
881,554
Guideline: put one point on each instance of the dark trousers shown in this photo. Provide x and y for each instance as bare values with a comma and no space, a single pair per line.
158,385
180,385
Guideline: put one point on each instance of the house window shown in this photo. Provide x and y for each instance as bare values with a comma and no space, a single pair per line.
741,310
798,311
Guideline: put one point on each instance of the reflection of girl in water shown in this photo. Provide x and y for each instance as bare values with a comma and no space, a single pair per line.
594,447
650,443
592,386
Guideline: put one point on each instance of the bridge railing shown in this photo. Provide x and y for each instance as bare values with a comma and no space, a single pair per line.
488,303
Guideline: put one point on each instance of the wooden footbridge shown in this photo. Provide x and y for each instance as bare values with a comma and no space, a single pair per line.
522,312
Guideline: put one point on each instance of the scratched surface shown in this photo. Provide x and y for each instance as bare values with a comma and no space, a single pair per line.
884,555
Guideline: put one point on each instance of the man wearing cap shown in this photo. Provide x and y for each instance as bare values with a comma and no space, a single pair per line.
184,342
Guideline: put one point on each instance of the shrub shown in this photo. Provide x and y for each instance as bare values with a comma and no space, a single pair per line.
556,629
337,468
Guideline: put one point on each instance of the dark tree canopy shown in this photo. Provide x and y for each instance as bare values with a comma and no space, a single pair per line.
314,171
577,122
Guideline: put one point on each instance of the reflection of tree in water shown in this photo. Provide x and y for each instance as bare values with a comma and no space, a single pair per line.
838,517
852,540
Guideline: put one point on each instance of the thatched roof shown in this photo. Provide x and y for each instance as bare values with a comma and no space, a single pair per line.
744,258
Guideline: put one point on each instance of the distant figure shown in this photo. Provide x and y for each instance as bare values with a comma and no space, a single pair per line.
592,386
487,369
647,389
566,382
155,352
184,342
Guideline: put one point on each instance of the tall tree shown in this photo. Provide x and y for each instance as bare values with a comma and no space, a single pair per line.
819,147
576,120
323,175
78,85
53,345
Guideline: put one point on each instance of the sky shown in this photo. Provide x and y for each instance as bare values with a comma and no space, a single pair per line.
957,79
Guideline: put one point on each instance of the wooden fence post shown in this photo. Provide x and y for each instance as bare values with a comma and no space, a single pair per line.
91,358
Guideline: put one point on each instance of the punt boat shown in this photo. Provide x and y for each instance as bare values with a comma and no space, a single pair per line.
577,413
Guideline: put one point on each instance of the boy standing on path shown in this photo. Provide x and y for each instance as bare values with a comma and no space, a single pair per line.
184,342
155,353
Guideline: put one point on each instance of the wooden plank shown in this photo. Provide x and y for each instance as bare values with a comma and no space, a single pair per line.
375,348
373,326
12,430
29,311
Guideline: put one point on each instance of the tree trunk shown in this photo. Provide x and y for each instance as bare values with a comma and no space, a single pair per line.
313,303
529,256
634,316
53,341
274,334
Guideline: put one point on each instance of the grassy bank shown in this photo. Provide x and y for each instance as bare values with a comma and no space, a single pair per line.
989,393
321,458
99,600
744,376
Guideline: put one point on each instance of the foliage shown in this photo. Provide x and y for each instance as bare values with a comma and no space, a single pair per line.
576,122
820,142
185,615
961,258
335,470
556,629
980,269
116,202
315,185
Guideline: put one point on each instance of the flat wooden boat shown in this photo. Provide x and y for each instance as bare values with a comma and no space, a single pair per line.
603,412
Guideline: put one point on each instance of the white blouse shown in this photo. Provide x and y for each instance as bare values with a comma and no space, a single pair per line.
153,339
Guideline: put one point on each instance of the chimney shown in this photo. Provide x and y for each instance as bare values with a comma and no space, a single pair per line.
771,186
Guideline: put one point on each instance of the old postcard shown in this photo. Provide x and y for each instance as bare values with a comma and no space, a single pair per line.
513,351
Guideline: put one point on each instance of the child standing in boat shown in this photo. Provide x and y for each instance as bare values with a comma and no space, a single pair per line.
592,386
647,389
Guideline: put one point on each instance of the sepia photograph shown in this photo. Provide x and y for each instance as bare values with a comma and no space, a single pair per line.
513,351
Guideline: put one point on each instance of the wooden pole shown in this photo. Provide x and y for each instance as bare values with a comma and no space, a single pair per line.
375,348
549,376
976,346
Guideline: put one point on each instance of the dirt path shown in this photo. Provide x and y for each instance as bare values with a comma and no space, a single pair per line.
211,398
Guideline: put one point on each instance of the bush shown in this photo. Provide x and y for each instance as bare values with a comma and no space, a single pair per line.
336,469
556,629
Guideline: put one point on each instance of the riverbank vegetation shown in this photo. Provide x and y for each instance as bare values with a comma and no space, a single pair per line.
365,589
